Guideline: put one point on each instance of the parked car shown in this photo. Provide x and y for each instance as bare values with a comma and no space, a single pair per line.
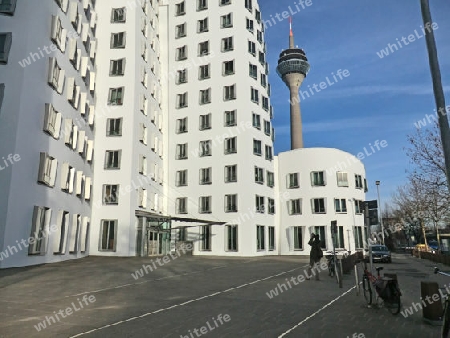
380,253
422,248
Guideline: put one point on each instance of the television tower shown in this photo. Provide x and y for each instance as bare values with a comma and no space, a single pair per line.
293,67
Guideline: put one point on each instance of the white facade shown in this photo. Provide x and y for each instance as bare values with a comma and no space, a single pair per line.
96,109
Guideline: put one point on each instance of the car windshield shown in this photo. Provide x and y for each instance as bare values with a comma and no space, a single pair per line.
379,248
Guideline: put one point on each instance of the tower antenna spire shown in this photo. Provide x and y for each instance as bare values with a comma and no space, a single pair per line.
291,34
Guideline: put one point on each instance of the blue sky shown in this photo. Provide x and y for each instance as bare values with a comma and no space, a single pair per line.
380,99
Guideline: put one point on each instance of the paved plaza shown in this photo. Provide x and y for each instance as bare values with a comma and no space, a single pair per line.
201,297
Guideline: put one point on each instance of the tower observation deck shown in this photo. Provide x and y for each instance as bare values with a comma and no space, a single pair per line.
293,67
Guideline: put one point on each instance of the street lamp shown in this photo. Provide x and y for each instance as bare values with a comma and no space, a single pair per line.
379,207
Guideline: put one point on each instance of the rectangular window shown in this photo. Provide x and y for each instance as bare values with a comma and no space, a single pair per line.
257,147
115,97
229,93
340,205
232,237
47,169
298,238
182,151
359,207
117,67
260,237
202,5
67,177
271,238
118,40
205,176
182,234
182,100
230,118
181,178
256,121
180,30
267,127
342,179
118,15
226,21
7,7
58,34
110,194
269,153
339,238
181,205
142,165
253,71
52,121
259,204
182,125
182,76
320,230
270,179
59,246
231,203
254,95
264,80
180,9
230,145
39,230
265,103
295,206
270,206
114,127
206,238
292,181
112,159
318,205
317,178
358,182
359,244
56,75
259,175
205,121
205,148
108,235
203,48
225,2
230,173
228,68
227,44
202,25
205,96
204,72
252,48
205,205
249,24
248,5
181,53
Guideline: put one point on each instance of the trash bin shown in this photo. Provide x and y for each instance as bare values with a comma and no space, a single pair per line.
431,303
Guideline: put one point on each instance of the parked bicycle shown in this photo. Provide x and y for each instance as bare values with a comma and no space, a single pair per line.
387,289
331,264
446,313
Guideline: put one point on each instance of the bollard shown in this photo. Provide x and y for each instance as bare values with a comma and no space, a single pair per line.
431,303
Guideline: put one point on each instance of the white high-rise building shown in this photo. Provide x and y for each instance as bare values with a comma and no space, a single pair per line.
127,126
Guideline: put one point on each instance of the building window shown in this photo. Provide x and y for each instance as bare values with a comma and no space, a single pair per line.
265,103
202,25
231,203
259,204
108,238
320,230
182,151
271,238
47,169
262,58
225,2
39,230
203,48
52,121
318,205
252,48
5,45
257,147
142,165
249,25
205,121
182,100
260,237
269,154
182,76
227,44
358,182
342,179
270,206
230,145
267,127
56,76
110,194
59,246
117,67
229,93
181,53
340,205
180,9
366,189
226,21
317,178
256,121
295,206
248,5
67,178
118,15
114,127
264,80
112,159
205,96
181,178
181,205
230,118
270,179
230,173
205,148
339,238
232,237
259,175
298,238
359,244
254,95
180,30
118,40
182,234
205,176
7,7
253,71
359,207
182,125
202,5
292,181
115,97
204,72
205,205
206,238
228,68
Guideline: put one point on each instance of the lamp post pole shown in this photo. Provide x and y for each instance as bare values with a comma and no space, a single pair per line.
379,208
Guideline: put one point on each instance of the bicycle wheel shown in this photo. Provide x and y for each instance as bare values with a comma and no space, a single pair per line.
367,290
394,303
446,321
331,269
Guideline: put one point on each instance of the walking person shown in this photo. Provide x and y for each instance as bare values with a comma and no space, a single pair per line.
314,256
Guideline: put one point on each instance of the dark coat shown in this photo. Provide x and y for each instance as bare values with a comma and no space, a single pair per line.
315,255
